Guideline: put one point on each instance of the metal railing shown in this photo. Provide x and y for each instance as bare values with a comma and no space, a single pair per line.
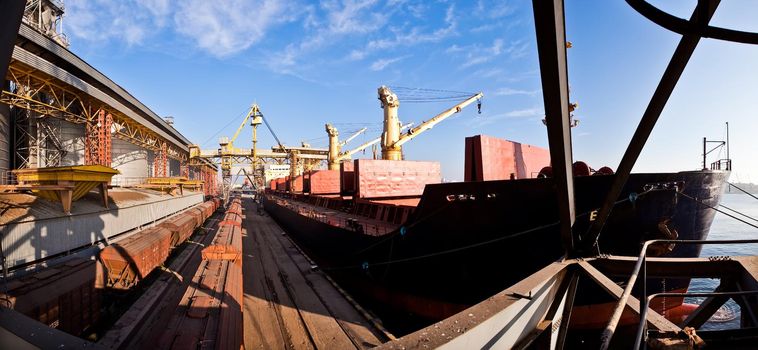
373,229
640,269
123,181
722,164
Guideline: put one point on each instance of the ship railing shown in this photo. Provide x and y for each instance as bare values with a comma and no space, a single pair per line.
722,164
374,229
640,270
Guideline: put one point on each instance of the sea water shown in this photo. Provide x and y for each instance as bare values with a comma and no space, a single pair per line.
725,227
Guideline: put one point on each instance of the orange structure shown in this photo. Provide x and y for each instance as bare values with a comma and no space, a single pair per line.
97,143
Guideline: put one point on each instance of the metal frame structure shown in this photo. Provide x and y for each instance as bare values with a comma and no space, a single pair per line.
46,95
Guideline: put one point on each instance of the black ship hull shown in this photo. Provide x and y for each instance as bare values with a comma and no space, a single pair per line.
468,241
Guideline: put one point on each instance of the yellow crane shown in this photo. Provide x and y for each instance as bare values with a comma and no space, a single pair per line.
392,136
336,155
229,155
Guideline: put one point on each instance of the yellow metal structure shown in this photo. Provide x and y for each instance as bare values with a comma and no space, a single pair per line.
72,105
336,155
392,138
66,184
229,155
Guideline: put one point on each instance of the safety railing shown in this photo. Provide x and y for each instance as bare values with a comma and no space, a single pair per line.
640,269
722,164
124,181
362,226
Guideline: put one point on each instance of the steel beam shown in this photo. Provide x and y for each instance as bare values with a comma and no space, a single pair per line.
551,45
701,16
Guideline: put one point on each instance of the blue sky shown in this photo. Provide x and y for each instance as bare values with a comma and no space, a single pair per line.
308,63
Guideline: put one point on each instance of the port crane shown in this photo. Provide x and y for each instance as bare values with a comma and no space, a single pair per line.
393,137
228,155
336,155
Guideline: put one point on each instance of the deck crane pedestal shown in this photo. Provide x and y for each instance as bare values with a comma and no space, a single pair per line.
392,136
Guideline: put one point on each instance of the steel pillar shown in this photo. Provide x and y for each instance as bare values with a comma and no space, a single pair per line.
701,16
98,141
160,162
551,45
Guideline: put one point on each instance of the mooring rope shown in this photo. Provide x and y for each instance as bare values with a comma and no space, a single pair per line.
718,210
746,192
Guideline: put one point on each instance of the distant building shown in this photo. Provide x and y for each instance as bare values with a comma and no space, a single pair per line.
275,171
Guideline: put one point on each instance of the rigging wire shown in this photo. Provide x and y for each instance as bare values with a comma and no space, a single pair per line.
224,127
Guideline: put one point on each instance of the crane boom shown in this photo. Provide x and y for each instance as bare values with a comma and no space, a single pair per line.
254,111
348,154
434,121
353,136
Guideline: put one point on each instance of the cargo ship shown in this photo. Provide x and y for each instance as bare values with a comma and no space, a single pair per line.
400,240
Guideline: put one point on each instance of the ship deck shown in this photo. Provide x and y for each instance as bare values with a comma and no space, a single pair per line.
337,218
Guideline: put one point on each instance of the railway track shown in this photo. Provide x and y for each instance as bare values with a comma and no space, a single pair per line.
281,289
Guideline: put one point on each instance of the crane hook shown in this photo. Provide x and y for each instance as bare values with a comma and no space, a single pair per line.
479,105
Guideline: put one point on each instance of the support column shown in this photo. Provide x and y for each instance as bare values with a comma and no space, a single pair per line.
97,142
160,162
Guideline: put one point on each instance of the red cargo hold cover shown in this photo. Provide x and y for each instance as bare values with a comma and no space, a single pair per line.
491,158
394,178
323,182
297,184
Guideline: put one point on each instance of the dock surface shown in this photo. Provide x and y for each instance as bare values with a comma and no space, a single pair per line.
287,304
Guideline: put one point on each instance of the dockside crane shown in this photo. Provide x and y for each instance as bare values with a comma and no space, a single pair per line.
336,155
393,138
229,155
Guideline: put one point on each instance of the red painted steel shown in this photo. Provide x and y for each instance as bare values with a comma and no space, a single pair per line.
491,158
281,184
131,259
181,227
63,297
347,178
323,182
394,178
297,184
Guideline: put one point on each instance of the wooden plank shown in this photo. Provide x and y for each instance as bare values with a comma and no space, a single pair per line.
268,312
357,327
323,328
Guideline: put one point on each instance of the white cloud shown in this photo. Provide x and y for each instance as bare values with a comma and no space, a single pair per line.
225,28
128,21
414,36
509,92
521,113
478,55
515,114
380,64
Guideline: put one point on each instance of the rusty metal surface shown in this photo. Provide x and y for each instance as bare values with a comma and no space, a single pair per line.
392,178
181,227
491,158
209,314
130,260
63,297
